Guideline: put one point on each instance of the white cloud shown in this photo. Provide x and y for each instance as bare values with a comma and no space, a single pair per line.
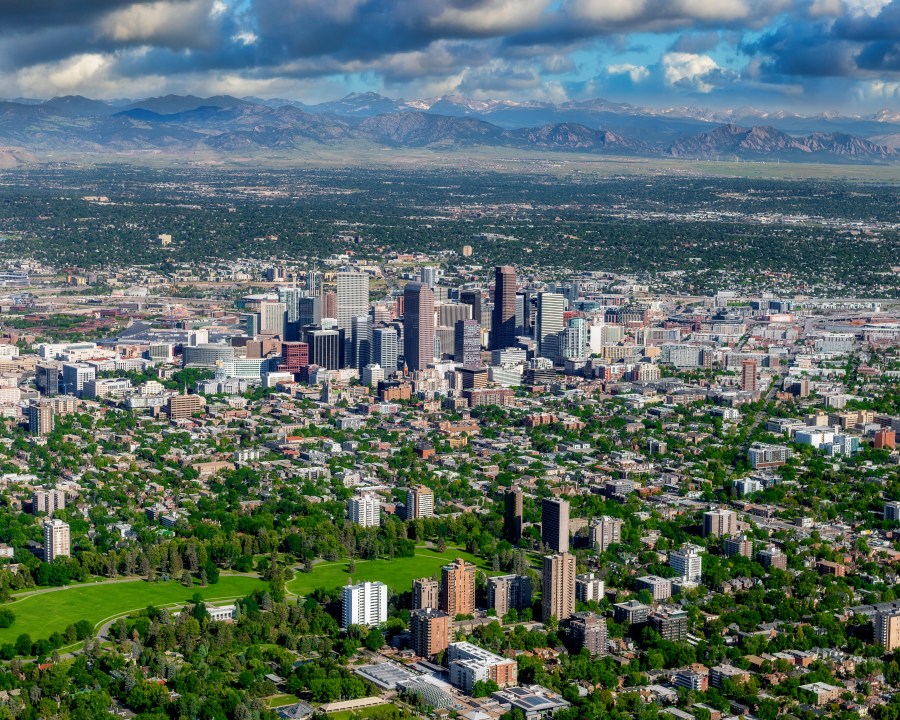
490,17
879,91
689,70
171,24
608,11
636,73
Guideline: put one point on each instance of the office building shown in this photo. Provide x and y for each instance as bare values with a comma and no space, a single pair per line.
352,298
272,318
361,341
451,313
512,514
670,622
47,501
687,562
314,283
892,511
508,592
429,631
523,313
588,630
46,379
428,276
365,603
56,540
555,524
294,357
740,545
365,510
748,375
588,588
467,343
887,630
385,348
418,326
326,348
719,523
472,298
419,502
40,419
660,588
182,407
549,324
503,317
558,586
309,311
458,588
425,593
371,375
470,664
605,531
74,376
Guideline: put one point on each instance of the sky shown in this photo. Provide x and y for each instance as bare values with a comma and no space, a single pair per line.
796,55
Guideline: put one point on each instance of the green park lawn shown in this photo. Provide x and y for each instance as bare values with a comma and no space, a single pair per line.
397,574
42,614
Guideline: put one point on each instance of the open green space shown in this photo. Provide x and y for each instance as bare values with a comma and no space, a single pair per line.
276,701
44,613
397,574
377,711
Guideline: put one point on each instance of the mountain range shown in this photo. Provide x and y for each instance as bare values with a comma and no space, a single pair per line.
228,125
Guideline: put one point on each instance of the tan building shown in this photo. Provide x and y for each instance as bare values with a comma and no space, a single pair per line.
458,588
887,630
47,501
425,593
40,419
56,540
748,375
184,406
719,523
559,586
419,502
508,592
429,631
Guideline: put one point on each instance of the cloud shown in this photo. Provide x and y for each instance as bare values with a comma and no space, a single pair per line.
690,71
636,73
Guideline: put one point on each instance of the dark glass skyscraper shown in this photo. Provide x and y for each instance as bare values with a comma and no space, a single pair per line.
418,325
503,320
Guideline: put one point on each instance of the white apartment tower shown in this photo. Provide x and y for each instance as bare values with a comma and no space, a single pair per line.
365,603
365,510
56,540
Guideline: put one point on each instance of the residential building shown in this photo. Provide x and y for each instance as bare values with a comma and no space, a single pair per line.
605,531
694,677
763,455
47,501
739,545
748,376
419,502
467,343
430,631
633,612
588,588
588,630
508,592
386,348
512,514
887,630
670,622
558,586
470,664
892,511
365,603
719,673
660,588
772,557
365,510
719,523
687,562
184,406
40,419
56,539
457,595
555,524
425,593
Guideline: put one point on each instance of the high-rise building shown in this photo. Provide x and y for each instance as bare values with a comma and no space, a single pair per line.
418,326
687,562
326,348
451,313
309,311
385,348
588,630
588,587
56,540
670,622
555,524
314,282
47,501
46,379
365,510
472,298
294,357
272,318
719,523
428,276
365,603
739,545
371,375
426,593
549,325
523,313
772,557
508,592
419,502
559,586
458,588
329,305
503,320
352,297
182,407
891,511
467,345
512,514
887,630
748,375
74,376
605,531
660,588
361,339
429,631
573,339
40,419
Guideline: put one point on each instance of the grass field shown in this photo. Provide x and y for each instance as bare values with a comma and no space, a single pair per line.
397,574
41,614
364,713
276,701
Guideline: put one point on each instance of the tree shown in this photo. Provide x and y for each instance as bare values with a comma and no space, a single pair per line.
7,617
374,640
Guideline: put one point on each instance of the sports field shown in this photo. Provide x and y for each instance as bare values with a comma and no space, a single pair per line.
397,574
44,613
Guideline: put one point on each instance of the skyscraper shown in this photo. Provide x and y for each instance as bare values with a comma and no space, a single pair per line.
503,321
473,299
314,282
352,297
426,593
748,375
326,348
418,325
56,540
558,583
523,313
458,588
309,311
550,310
467,345
361,341
385,348
512,515
47,379
555,524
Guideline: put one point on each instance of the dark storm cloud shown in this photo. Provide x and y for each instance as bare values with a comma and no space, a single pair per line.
18,15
